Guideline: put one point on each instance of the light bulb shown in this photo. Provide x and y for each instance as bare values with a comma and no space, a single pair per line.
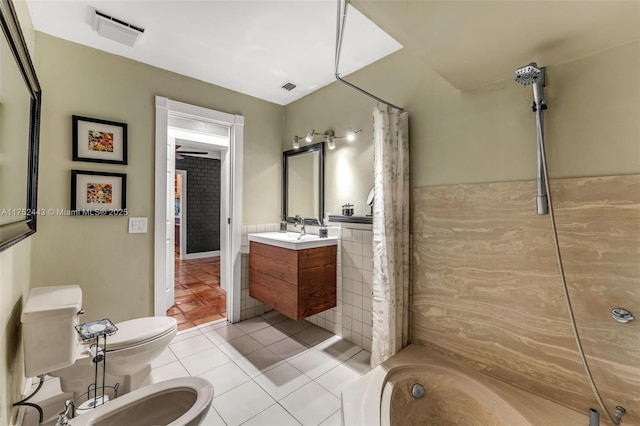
309,137
351,135
296,142
331,144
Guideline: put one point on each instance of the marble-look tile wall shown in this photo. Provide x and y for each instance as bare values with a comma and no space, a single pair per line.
487,291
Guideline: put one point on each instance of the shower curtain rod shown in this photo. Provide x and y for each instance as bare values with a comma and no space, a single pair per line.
340,25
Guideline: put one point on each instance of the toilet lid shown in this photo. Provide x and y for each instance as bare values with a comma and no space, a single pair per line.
140,330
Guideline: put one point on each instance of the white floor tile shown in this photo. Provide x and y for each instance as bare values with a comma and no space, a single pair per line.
253,324
311,404
258,362
338,348
164,358
274,317
213,325
292,327
335,380
288,348
242,403
274,415
223,335
240,347
213,418
186,334
225,378
268,335
168,371
360,362
190,346
204,361
333,420
281,380
314,363
314,335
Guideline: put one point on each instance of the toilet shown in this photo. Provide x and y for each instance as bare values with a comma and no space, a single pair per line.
177,402
52,345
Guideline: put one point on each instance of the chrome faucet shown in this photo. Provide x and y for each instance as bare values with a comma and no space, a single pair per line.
300,221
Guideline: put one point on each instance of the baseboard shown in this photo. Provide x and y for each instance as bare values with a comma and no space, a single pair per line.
192,256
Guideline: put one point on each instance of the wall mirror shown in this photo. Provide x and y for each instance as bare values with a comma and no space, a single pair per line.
20,98
303,183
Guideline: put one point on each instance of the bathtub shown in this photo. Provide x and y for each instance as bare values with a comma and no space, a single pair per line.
454,395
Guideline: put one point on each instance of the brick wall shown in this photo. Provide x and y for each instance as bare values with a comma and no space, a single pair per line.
203,203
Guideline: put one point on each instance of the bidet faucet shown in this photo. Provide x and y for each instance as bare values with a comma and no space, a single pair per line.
68,413
300,221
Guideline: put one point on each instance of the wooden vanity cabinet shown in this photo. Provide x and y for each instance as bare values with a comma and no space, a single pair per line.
297,283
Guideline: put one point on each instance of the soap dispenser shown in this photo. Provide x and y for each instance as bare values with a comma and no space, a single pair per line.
283,224
323,232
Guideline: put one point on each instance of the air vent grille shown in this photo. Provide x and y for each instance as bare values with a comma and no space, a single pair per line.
288,86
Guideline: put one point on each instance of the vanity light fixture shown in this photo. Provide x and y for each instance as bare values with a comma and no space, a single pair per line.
310,135
351,134
329,139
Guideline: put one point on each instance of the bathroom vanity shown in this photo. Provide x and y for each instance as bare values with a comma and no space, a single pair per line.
295,276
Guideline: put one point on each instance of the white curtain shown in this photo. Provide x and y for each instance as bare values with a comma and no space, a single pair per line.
390,234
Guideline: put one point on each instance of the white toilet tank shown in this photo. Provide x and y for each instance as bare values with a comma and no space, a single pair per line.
48,320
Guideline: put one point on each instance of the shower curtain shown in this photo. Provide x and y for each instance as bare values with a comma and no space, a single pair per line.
390,234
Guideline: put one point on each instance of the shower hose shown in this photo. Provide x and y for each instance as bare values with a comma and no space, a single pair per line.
554,229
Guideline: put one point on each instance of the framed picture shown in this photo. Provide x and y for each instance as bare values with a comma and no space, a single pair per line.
99,141
98,193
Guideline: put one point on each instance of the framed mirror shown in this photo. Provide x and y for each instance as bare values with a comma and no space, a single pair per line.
20,99
303,183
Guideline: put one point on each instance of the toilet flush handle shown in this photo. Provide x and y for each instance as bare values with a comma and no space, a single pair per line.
80,312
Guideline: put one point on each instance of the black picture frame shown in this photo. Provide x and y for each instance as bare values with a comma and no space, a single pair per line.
23,217
92,134
98,193
286,156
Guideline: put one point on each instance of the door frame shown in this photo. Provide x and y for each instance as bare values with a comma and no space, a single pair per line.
183,212
231,202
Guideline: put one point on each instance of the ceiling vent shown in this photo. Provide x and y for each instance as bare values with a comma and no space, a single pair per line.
115,29
289,86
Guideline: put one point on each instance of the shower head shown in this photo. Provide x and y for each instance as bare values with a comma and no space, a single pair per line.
529,74
532,74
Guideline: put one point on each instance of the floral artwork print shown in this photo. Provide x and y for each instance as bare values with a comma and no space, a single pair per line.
100,141
99,193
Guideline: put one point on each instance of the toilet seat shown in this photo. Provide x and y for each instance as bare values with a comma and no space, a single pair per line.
140,331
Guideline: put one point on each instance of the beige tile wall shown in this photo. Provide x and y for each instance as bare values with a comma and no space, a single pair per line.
487,290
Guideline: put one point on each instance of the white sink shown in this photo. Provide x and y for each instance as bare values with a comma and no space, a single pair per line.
292,240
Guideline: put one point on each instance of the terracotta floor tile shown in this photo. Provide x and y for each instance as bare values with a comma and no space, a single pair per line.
174,310
198,296
186,325
211,318
180,318
199,314
187,299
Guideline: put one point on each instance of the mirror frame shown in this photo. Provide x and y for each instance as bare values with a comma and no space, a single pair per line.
319,147
14,232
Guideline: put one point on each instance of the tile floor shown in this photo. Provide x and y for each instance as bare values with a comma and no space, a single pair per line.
266,371
199,298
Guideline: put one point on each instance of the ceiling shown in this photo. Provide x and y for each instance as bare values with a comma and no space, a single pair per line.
252,47
476,43
256,46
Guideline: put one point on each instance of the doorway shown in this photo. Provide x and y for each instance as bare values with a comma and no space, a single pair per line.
173,119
